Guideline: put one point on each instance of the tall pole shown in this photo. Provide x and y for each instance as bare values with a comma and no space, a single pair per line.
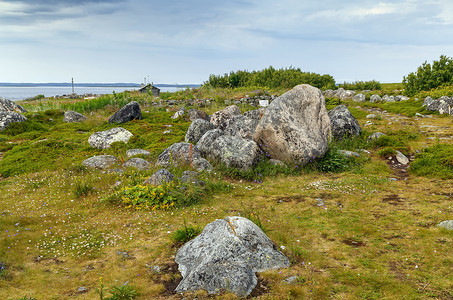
73,85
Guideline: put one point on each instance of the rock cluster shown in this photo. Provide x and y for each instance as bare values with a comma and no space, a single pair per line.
443,105
10,112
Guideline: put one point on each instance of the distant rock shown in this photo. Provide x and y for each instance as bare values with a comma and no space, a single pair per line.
129,112
10,106
446,224
343,122
180,113
103,139
375,136
375,98
401,98
197,114
225,256
234,152
133,152
100,162
160,177
359,98
388,98
73,117
8,117
136,162
371,116
221,118
197,129
295,127
428,100
205,142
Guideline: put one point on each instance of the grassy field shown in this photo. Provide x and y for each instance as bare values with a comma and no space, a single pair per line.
374,235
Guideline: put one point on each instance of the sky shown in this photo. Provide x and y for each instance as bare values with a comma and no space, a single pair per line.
184,41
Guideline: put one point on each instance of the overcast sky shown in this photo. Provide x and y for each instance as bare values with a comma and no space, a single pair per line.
184,41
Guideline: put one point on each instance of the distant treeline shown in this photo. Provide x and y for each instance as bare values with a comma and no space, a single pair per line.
427,76
371,85
271,78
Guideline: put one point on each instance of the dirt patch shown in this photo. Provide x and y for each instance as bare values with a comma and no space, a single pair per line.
295,198
353,243
393,199
171,284
261,288
400,171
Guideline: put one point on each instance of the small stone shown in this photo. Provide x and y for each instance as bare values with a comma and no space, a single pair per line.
82,290
393,179
446,224
291,279
319,202
124,254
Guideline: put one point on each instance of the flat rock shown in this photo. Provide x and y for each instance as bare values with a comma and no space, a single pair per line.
8,117
226,256
347,153
103,139
401,158
129,112
446,224
73,117
137,163
133,152
100,161
295,127
343,123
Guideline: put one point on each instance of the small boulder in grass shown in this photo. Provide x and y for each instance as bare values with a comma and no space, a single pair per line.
129,112
446,224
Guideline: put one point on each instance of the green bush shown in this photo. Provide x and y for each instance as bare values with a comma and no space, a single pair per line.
386,152
429,76
123,292
372,85
435,161
271,78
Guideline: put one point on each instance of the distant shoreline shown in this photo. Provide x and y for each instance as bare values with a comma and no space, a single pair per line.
68,84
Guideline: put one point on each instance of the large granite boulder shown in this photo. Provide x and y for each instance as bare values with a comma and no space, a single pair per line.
178,154
225,256
205,142
103,139
241,126
221,118
100,162
8,105
295,126
129,112
8,117
343,122
161,176
256,114
73,117
197,129
234,152
359,98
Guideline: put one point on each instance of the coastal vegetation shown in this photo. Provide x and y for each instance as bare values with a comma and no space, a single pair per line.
353,227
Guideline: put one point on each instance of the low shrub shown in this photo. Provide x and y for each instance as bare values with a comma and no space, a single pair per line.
435,161
387,151
186,233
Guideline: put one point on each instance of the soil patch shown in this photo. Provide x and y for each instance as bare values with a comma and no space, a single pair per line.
295,198
353,243
400,171
392,199
171,284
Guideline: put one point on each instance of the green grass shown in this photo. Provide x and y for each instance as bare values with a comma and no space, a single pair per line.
373,238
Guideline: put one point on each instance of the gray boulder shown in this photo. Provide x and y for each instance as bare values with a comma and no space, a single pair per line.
256,114
197,114
343,123
234,152
103,139
180,113
205,142
359,98
445,106
136,162
401,158
129,112
446,224
345,94
225,256
375,98
8,105
160,177
197,129
388,98
295,126
133,152
330,93
178,154
191,177
428,100
241,126
401,98
8,117
201,164
221,118
73,117
100,162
